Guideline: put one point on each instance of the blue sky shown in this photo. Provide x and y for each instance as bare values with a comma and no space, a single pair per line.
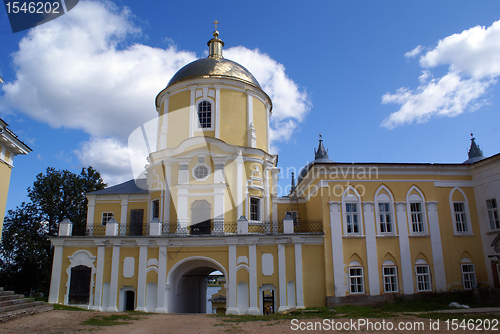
382,81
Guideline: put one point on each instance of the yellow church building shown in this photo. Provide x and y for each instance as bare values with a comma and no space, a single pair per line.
346,233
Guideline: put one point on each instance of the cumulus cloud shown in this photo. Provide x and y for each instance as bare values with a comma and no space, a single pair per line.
415,52
473,60
81,72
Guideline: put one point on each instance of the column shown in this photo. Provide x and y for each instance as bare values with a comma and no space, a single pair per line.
99,275
282,277
217,110
113,288
404,249
299,282
123,214
337,249
371,247
55,280
231,295
161,306
437,249
141,276
167,198
253,288
239,185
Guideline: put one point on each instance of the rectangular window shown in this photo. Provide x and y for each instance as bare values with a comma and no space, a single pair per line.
106,216
417,221
385,220
468,276
352,221
155,209
254,208
356,280
460,217
390,275
423,277
491,206
205,114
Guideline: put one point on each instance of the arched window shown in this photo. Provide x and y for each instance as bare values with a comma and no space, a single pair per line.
351,203
423,275
205,114
417,217
384,208
390,276
356,278
459,211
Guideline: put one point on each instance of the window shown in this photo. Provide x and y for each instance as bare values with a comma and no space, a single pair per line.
201,172
352,221
460,217
205,114
385,220
356,280
155,209
106,216
468,276
255,208
423,277
491,206
390,276
417,221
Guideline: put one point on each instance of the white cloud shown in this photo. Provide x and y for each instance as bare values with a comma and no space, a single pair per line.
415,52
473,60
78,72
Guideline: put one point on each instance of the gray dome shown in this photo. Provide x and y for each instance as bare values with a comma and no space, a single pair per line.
214,68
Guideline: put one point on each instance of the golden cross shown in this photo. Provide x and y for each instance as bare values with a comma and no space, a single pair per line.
216,23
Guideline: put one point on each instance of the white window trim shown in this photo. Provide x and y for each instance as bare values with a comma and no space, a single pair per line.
378,213
423,205
352,191
201,164
488,211
473,272
106,213
356,276
250,209
395,275
212,112
467,214
422,264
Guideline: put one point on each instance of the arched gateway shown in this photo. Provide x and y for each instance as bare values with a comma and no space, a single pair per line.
187,284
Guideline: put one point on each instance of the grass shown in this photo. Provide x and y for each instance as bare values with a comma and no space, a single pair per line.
432,301
112,320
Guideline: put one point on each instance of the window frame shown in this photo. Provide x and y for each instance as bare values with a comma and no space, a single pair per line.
109,215
390,276
201,164
385,214
426,274
153,203
463,221
493,219
420,214
253,205
349,215
359,281
466,276
199,126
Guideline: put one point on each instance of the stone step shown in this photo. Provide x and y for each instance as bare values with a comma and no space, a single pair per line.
5,303
20,306
1,288
25,312
10,297
6,293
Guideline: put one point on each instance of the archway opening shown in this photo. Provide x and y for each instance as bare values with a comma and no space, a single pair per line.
194,290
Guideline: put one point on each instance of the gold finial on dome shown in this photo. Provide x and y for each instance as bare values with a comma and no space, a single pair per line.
215,44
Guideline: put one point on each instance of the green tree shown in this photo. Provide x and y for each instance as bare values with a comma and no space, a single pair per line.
25,250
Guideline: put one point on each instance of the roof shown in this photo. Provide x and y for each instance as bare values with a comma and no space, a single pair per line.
128,187
11,141
214,68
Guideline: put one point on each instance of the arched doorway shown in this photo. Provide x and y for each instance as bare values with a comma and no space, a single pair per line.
188,284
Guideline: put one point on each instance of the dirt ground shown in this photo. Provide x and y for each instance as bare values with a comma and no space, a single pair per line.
66,322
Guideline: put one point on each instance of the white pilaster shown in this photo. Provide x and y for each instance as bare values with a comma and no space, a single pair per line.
282,277
371,247
231,297
90,210
404,249
239,185
267,198
113,289
99,276
141,276
253,289
268,114
168,194
337,249
162,144
217,110
55,280
437,249
299,282
161,306
123,213
192,112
